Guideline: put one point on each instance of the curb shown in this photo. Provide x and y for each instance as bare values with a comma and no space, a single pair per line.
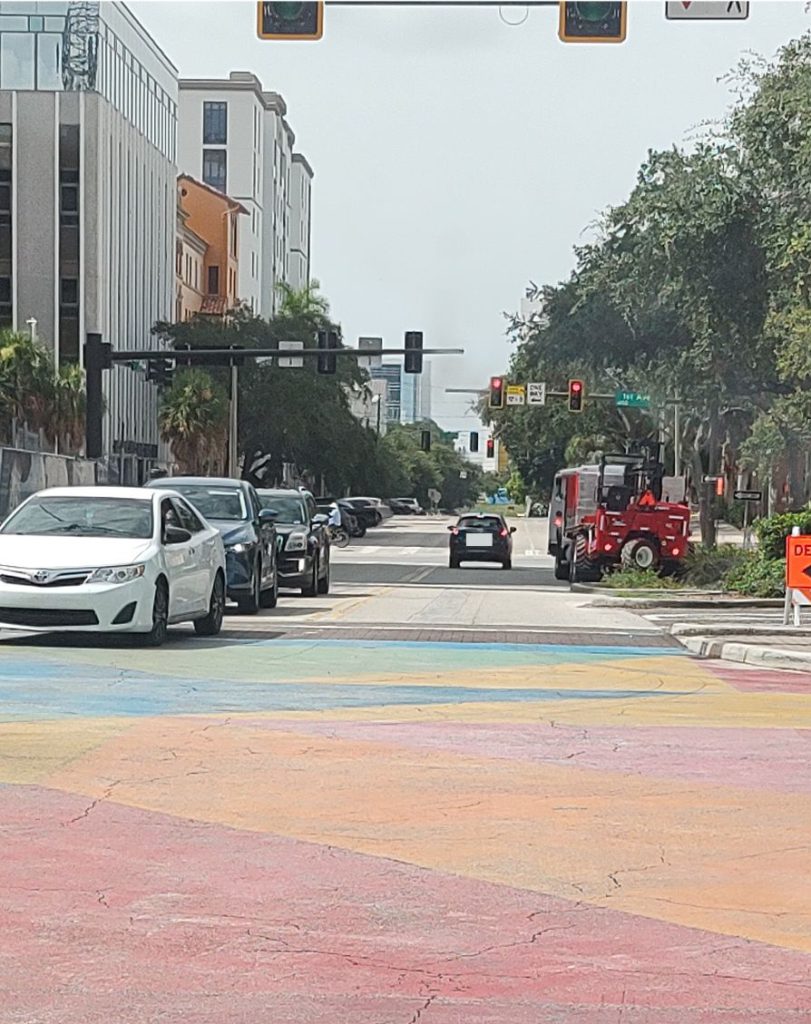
747,654
722,604
680,629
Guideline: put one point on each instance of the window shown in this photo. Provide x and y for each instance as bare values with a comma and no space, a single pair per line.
214,168
69,291
49,61
233,234
188,520
16,61
215,124
213,280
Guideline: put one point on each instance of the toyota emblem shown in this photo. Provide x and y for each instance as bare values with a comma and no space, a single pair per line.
41,576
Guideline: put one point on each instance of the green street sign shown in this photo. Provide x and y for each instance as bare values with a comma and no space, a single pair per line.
632,400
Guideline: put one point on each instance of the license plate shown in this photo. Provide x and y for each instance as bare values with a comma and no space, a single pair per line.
478,540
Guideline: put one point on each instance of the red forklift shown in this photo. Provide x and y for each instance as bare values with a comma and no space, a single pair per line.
620,511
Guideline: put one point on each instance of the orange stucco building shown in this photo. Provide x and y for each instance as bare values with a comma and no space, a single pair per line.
207,272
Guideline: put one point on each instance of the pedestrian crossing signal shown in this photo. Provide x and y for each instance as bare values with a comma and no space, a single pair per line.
587,22
290,19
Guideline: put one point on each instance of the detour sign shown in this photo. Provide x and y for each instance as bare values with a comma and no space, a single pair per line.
798,563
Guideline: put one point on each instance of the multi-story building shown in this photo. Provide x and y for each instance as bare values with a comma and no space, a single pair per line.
392,374
235,138
190,256
298,273
213,217
368,406
88,114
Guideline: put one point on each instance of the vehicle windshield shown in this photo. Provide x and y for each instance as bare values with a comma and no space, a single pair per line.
83,517
290,509
223,503
477,523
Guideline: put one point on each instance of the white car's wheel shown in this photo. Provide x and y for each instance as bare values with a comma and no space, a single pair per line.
212,623
160,616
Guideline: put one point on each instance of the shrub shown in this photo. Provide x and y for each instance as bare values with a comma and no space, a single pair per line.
638,579
772,532
757,576
705,566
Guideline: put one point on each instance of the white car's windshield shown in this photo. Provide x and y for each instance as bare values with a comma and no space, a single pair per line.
223,503
82,517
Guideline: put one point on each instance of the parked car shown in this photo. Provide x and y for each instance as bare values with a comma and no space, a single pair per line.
110,560
479,537
248,533
406,507
365,511
302,540
349,520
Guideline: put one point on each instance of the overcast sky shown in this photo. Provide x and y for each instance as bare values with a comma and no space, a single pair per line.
456,157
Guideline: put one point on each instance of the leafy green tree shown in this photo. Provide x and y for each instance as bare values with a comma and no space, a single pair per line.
194,420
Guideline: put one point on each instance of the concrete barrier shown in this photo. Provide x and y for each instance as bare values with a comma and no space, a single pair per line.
22,473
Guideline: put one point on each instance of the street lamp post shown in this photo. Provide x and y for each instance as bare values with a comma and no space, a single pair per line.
376,401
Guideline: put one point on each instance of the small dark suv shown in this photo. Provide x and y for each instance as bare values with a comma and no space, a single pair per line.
302,540
481,538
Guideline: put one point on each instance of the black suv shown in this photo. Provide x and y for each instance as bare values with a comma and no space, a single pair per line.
247,531
302,540
481,538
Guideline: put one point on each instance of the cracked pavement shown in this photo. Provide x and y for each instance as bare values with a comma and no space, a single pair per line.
330,828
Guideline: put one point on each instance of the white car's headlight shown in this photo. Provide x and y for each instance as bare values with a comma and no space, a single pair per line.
297,542
116,574
236,548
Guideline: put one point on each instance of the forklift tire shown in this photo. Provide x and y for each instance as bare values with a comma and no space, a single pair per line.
583,568
640,553
561,566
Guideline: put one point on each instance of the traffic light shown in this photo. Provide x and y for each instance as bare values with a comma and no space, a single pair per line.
496,393
491,448
290,19
425,440
327,360
575,396
586,22
474,441
413,356
160,372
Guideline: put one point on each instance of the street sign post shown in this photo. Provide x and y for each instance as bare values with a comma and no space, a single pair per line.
516,394
707,10
631,400
747,495
708,478
536,393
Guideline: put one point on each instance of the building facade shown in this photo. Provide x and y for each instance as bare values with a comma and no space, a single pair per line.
234,136
215,219
88,116
190,255
368,406
392,374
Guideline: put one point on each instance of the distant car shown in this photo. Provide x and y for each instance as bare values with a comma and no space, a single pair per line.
302,540
406,507
110,560
365,511
349,521
248,533
481,538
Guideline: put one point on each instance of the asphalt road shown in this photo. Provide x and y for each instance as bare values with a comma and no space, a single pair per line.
431,797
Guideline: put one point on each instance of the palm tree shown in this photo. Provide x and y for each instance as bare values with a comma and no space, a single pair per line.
68,414
305,303
27,382
193,419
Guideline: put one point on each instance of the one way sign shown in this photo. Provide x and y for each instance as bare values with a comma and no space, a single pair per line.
707,10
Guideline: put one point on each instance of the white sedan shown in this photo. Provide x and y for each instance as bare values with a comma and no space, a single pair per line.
110,560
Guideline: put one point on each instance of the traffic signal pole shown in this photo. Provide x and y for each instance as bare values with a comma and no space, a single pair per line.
99,356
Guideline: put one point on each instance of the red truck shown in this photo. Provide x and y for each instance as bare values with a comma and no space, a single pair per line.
620,511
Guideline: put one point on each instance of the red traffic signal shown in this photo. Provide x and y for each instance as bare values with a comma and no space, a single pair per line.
496,400
575,396
491,448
